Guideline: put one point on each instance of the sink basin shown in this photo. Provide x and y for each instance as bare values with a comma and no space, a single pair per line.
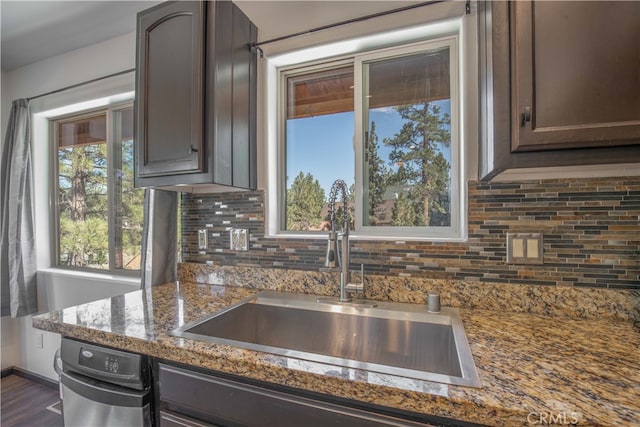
390,338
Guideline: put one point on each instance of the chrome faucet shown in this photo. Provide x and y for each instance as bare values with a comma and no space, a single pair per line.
339,257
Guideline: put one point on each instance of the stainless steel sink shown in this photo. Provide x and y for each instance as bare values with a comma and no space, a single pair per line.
391,338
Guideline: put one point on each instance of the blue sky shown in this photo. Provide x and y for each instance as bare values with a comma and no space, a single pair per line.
323,145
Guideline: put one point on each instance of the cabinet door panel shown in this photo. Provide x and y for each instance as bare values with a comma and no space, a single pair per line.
243,101
221,92
170,93
576,74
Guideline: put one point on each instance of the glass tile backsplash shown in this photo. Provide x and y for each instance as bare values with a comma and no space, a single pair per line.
590,228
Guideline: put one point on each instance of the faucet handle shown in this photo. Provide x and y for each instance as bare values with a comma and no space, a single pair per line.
357,287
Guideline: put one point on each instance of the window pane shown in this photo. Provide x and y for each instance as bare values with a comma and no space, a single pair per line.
82,193
128,211
78,132
407,150
319,144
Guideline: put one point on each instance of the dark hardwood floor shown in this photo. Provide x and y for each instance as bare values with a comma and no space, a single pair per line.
24,403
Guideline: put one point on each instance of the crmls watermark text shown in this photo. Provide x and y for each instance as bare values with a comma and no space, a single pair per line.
549,418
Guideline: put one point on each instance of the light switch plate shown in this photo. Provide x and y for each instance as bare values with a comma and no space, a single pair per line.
525,248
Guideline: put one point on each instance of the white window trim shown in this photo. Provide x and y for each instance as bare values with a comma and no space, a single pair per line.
93,95
112,108
465,101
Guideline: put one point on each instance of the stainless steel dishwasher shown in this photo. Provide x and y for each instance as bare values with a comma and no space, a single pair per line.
104,387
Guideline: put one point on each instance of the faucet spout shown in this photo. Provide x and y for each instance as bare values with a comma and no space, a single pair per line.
334,256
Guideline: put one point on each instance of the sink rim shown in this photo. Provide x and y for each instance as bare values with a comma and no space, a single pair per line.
388,310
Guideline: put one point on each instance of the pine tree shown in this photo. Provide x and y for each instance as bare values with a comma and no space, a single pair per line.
305,200
403,212
83,205
422,168
377,175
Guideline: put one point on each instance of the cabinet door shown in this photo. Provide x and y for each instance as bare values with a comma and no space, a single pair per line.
169,85
575,74
231,104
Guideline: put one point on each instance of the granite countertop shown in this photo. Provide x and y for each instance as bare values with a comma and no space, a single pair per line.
534,368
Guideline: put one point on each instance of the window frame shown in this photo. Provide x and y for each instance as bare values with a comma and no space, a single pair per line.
113,131
428,232
276,189
284,74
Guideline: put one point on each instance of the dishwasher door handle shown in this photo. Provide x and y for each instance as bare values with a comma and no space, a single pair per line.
99,391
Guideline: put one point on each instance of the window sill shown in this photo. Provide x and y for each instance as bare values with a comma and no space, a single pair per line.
353,236
89,275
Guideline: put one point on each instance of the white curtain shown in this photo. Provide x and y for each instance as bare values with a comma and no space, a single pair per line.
159,238
18,252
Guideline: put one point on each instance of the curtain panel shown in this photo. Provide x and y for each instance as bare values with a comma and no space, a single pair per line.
18,252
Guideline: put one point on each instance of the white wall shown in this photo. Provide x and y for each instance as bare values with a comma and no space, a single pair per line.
56,289
70,68
10,343
20,341
34,349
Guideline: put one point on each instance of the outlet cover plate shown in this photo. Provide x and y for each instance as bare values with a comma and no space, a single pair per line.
239,239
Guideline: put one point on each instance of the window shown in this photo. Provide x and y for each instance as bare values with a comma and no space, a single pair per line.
98,213
319,135
387,122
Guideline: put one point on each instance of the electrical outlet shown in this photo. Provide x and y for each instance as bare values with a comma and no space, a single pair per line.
233,239
239,239
243,239
202,239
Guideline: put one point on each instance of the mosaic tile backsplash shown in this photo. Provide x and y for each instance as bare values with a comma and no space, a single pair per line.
590,228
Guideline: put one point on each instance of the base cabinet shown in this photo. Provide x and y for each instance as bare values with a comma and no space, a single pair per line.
193,398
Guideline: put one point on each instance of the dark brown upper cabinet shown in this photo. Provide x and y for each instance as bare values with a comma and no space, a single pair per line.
559,84
195,96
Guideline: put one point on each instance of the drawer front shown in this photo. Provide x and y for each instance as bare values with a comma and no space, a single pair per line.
172,419
232,403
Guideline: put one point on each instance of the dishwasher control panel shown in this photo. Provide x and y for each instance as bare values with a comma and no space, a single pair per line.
111,365
107,361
